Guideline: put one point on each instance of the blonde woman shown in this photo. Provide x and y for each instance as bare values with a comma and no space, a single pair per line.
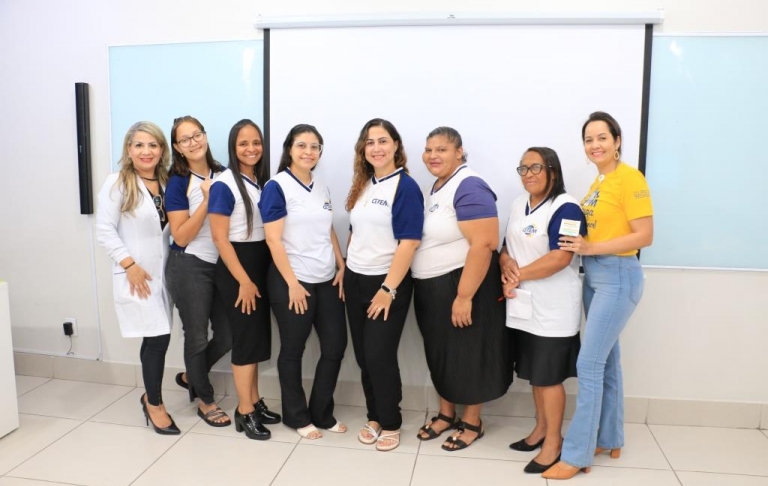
132,227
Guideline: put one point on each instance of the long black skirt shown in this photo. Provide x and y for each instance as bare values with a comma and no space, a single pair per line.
469,365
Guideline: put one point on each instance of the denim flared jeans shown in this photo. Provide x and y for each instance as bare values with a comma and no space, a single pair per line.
613,286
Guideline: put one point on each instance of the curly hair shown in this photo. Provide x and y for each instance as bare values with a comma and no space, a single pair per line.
362,169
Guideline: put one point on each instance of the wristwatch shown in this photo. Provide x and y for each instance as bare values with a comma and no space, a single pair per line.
392,292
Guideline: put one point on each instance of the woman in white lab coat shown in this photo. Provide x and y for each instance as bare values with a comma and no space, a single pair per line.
132,227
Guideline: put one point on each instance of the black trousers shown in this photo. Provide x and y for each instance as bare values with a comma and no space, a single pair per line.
326,313
375,342
190,282
152,355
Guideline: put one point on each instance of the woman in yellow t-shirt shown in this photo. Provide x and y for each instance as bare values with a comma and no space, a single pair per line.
619,222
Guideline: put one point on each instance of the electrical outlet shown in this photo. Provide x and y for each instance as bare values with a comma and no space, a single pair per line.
73,320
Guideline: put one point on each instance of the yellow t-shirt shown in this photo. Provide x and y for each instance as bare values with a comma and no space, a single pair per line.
612,203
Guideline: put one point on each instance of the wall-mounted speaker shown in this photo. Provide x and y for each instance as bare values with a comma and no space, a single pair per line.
82,108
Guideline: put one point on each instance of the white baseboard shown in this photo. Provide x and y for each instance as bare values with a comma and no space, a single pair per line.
655,411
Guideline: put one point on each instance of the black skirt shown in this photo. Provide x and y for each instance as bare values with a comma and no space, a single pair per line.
251,333
469,365
545,361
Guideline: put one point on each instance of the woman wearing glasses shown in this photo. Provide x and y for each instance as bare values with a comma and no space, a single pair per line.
541,283
619,217
457,285
305,281
192,264
131,226
387,218
241,272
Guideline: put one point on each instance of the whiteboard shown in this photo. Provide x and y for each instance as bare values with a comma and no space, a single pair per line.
706,163
504,88
219,83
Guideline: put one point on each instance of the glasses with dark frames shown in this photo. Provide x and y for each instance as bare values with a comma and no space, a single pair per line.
535,169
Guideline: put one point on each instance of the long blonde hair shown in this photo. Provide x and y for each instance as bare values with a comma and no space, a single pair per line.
127,180
362,169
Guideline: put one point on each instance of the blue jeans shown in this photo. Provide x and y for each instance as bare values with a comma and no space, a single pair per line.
613,286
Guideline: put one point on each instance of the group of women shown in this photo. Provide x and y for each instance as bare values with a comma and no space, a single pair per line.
243,243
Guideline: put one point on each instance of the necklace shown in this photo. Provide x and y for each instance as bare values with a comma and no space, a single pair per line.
148,179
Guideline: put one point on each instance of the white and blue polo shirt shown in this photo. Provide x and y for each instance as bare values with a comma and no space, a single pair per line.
553,307
183,194
464,197
389,209
225,199
308,217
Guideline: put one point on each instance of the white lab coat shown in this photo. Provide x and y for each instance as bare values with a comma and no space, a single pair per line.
140,237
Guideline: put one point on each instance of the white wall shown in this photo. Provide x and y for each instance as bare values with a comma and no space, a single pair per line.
697,334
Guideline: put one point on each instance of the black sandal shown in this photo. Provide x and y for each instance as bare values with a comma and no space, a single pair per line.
431,434
456,444
185,385
212,415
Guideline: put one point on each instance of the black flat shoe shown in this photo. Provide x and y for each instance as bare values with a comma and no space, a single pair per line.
252,426
522,446
265,415
170,430
185,385
534,467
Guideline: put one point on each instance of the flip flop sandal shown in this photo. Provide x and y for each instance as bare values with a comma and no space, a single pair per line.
456,444
392,437
368,440
431,434
212,416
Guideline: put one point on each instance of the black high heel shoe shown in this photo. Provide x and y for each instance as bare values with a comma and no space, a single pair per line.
266,416
185,385
252,426
170,430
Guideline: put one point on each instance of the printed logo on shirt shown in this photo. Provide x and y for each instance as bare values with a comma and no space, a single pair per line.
381,202
592,199
327,205
642,194
434,208
530,230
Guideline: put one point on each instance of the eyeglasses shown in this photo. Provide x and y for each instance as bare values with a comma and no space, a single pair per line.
197,137
535,169
158,200
315,148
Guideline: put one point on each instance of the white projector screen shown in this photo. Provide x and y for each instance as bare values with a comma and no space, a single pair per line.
504,88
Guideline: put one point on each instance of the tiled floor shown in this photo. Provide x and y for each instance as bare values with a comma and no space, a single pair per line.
76,433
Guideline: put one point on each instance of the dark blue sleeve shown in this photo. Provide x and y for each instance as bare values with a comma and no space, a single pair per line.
474,199
176,193
220,199
272,205
566,211
408,210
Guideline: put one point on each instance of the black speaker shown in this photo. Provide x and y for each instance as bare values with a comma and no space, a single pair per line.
84,147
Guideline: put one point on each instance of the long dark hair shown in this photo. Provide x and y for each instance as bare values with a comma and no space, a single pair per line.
613,126
179,164
259,171
554,171
285,159
362,170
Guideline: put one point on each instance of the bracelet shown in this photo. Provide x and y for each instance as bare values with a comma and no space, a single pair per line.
130,265
392,292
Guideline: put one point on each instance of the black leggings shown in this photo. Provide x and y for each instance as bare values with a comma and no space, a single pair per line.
152,356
